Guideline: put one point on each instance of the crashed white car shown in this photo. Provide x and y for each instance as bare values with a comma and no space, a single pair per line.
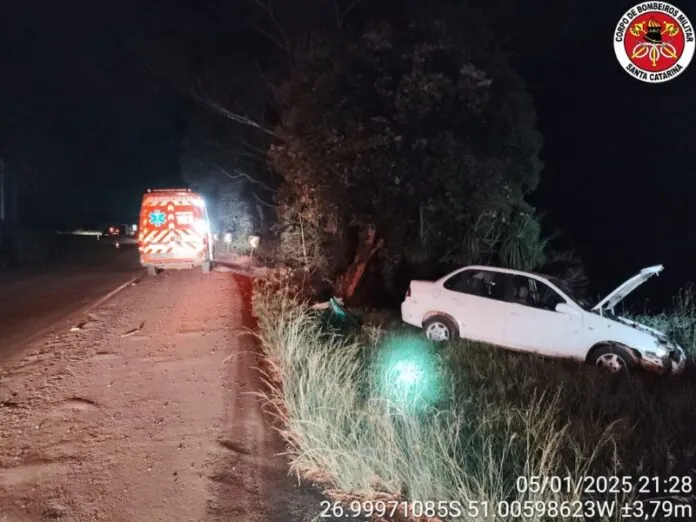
536,313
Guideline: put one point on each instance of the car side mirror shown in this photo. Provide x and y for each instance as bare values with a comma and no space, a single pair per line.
565,308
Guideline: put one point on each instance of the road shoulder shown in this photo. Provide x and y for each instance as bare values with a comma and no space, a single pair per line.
149,412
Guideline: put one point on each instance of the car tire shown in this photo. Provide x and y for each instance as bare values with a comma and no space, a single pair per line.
440,329
612,358
152,270
206,266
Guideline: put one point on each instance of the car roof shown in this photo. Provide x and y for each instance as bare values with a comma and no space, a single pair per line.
505,271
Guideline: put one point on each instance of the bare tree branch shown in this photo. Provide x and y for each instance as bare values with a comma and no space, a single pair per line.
256,196
268,35
214,106
269,84
267,7
239,174
340,17
256,154
258,151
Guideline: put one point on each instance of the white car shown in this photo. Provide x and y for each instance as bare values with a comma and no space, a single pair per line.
536,313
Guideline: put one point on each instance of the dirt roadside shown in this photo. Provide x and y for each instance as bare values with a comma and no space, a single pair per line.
147,413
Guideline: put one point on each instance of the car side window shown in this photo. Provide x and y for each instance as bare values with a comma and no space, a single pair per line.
546,297
463,282
518,290
530,292
478,282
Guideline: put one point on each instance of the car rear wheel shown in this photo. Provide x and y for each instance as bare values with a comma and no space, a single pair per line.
439,329
613,359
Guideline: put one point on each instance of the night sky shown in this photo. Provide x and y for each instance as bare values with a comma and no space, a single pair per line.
619,162
76,96
619,178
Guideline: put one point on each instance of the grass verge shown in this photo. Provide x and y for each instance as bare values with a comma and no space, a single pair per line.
387,417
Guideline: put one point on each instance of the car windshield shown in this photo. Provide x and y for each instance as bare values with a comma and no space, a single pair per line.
567,290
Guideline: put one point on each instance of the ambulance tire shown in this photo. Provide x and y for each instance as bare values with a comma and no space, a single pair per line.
206,266
152,270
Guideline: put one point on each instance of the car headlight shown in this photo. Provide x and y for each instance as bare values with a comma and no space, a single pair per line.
677,353
660,350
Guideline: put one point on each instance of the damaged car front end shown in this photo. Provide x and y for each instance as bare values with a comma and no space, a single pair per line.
665,356
652,349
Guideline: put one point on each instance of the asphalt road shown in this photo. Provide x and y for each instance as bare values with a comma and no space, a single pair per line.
35,298
150,411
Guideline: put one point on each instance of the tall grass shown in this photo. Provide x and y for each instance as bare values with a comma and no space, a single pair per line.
499,416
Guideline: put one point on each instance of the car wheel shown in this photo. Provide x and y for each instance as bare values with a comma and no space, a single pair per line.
439,329
612,358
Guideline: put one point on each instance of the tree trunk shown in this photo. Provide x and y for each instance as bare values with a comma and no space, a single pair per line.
262,217
347,283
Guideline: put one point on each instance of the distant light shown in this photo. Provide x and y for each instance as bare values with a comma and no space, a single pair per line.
80,232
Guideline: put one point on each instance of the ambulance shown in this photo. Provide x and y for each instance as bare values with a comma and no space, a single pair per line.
174,231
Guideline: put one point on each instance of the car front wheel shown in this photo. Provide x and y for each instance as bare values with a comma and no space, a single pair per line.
612,358
439,329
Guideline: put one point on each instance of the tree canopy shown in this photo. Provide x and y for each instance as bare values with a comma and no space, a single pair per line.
409,136
392,128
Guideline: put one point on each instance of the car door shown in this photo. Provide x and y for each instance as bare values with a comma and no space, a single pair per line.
475,298
533,324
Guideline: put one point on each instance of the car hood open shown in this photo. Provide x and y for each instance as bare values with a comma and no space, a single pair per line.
610,301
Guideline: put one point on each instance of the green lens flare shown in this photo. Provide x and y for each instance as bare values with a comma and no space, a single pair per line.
408,372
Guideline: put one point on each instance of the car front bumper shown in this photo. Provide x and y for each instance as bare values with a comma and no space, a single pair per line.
678,367
673,363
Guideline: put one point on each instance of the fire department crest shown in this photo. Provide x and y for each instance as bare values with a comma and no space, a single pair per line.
654,42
